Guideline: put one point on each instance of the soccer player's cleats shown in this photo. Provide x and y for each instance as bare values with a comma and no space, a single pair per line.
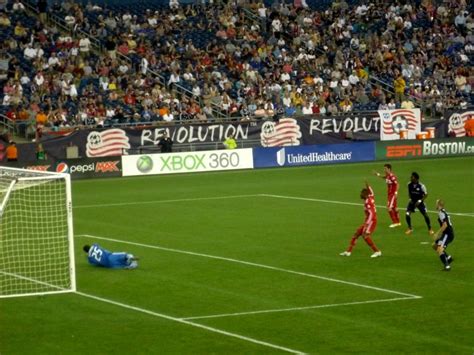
447,268
345,253
431,232
409,231
394,225
376,254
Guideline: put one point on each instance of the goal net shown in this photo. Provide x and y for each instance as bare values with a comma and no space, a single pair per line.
36,235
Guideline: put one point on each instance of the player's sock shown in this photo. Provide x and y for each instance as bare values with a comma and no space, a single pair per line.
390,212
397,216
408,218
444,258
370,242
427,220
352,244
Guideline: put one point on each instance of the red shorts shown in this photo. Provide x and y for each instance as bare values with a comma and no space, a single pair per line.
392,201
366,228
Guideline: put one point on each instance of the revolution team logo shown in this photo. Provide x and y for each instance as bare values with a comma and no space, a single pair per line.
144,164
111,142
285,132
394,121
456,123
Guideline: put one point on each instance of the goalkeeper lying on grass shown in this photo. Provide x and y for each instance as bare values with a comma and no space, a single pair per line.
96,255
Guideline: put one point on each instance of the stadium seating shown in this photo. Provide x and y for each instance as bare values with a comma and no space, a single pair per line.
316,42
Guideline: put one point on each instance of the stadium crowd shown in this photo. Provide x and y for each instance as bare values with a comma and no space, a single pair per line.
287,58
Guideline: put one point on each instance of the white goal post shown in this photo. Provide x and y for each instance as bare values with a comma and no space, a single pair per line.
36,233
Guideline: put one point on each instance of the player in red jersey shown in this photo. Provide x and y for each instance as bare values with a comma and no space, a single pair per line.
368,227
392,189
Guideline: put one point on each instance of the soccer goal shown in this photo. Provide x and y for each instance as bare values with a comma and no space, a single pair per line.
36,233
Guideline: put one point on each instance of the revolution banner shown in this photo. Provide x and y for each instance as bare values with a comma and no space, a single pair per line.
280,132
456,119
394,121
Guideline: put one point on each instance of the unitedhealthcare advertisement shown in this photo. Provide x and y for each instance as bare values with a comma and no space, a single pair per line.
314,154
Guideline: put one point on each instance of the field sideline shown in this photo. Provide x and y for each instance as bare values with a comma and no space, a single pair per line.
247,262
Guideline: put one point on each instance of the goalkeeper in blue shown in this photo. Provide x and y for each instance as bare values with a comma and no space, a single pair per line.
98,256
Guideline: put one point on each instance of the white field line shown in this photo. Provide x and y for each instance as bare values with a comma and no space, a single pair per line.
299,308
347,203
164,201
134,203
263,266
26,278
187,322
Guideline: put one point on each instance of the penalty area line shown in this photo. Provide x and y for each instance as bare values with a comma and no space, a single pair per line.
262,266
300,308
187,322
165,201
348,203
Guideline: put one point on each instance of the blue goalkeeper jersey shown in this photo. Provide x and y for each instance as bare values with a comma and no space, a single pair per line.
102,257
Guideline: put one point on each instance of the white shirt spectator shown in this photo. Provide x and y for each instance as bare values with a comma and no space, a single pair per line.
18,6
84,45
276,25
53,61
144,65
39,79
284,77
174,4
354,79
174,78
25,80
307,109
70,20
196,90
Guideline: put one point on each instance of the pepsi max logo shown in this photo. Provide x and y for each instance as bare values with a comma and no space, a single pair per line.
62,168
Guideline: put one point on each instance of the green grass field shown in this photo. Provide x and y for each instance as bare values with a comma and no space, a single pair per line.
248,262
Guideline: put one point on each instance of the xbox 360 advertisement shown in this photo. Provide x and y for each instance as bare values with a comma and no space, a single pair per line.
187,162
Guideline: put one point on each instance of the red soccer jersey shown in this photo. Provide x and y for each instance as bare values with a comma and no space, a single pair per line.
369,208
392,183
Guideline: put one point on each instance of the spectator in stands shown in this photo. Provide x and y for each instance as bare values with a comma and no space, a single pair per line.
165,143
469,126
12,152
230,142
40,152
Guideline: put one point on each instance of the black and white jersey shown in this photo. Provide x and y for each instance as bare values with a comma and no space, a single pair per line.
443,216
416,191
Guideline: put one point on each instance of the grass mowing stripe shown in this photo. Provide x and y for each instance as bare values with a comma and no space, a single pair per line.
252,264
187,322
299,308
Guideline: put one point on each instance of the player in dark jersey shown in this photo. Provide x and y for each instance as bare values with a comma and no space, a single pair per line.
417,193
444,236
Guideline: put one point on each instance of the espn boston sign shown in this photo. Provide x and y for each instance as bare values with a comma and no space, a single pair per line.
426,148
